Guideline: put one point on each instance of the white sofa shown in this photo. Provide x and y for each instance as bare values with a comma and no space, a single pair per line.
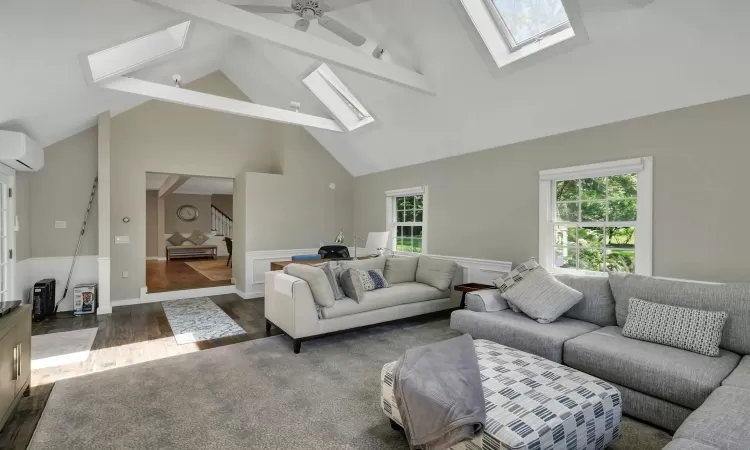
290,305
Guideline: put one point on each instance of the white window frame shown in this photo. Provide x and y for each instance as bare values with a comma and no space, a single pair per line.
503,54
644,220
337,98
390,216
510,41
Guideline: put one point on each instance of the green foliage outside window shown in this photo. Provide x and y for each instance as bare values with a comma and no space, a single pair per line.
409,218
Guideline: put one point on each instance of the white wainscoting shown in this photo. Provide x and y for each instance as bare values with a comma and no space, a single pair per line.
31,270
259,262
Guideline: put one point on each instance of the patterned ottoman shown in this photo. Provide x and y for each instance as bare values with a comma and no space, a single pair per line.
533,403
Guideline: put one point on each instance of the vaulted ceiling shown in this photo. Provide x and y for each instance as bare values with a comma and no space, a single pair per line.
637,61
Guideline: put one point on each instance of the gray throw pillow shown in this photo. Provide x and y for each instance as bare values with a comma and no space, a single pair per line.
686,328
353,286
316,279
197,238
434,272
513,277
333,273
542,297
176,239
401,269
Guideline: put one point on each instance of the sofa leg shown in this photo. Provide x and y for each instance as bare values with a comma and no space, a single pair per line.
396,426
297,345
268,327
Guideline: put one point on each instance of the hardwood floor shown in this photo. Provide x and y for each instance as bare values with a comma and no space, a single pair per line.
130,335
176,275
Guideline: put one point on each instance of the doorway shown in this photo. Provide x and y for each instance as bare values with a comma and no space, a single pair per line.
189,230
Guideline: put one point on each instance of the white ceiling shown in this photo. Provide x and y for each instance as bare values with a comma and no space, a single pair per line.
195,185
638,61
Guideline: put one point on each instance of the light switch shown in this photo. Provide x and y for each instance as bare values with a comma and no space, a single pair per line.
122,239
61,224
125,274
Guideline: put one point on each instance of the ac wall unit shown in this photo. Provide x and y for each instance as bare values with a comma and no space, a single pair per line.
19,152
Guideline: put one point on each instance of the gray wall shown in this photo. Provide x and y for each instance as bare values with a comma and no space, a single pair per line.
152,224
298,209
224,203
168,138
485,204
23,212
60,191
172,223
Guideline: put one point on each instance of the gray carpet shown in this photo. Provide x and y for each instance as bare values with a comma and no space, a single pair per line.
252,395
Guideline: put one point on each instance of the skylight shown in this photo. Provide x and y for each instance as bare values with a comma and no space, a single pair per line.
133,54
525,21
342,104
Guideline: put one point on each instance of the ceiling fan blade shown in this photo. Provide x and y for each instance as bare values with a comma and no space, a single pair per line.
341,30
333,5
302,25
266,9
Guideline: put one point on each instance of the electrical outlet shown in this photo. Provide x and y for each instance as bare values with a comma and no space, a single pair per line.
125,274
61,224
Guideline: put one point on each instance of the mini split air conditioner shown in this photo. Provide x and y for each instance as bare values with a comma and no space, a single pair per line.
19,152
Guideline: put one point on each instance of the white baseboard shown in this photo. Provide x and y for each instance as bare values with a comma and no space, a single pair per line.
31,270
156,258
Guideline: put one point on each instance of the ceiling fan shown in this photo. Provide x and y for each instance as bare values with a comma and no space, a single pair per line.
309,10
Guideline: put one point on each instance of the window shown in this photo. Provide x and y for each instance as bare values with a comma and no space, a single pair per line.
525,21
406,220
342,104
597,218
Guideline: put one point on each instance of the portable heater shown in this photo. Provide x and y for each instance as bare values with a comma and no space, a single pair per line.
44,299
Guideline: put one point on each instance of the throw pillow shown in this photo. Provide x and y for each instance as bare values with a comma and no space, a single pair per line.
434,272
401,269
378,280
541,296
690,329
367,282
316,279
176,239
513,277
333,273
197,238
352,284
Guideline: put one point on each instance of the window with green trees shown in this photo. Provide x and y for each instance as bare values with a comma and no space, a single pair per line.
594,223
409,223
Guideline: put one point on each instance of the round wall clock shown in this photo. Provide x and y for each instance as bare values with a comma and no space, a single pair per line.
187,213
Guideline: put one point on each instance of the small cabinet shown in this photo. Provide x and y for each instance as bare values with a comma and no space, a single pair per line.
8,367
15,359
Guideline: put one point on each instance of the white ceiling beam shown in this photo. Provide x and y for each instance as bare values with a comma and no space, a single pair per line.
172,183
182,96
257,27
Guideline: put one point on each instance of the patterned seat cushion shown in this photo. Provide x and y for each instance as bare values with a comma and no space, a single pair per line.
533,403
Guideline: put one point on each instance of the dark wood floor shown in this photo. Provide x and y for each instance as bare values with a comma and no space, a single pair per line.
130,335
175,275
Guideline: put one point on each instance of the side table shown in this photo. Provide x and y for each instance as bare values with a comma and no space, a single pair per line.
470,287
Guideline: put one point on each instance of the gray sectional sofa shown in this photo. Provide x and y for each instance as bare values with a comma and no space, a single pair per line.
705,399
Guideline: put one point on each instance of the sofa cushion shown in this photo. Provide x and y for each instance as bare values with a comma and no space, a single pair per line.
740,377
734,299
353,286
690,329
519,331
540,296
675,375
364,264
687,444
723,421
401,269
317,279
597,305
438,273
398,294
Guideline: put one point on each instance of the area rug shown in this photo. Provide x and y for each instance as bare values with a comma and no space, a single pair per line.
214,270
251,395
198,319
61,349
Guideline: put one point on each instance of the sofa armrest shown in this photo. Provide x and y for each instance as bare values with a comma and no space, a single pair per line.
290,306
486,300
